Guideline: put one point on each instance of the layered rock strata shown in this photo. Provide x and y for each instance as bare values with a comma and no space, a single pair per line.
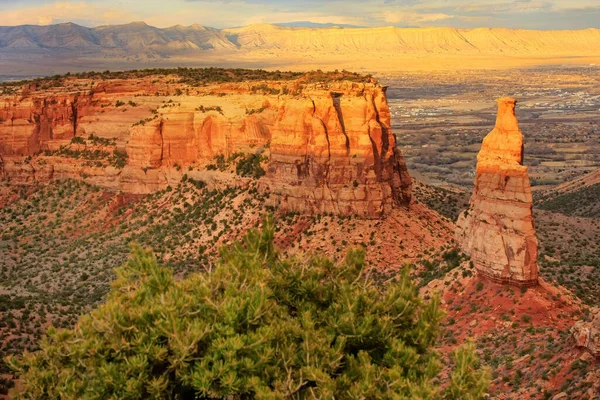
334,152
497,229
329,145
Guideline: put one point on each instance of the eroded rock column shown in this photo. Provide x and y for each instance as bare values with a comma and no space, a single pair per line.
333,151
497,229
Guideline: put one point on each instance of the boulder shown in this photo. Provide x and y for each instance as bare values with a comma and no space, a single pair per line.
587,333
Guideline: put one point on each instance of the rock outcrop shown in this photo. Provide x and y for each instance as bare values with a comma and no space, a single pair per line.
587,334
329,145
334,152
29,123
497,229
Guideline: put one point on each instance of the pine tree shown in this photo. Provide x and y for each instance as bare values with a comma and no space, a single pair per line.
258,326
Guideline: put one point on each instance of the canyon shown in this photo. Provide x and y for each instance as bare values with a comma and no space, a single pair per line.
187,161
329,146
497,229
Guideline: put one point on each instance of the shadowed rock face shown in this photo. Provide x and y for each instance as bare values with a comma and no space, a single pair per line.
497,230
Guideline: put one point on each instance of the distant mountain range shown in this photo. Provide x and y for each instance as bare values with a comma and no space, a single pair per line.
295,36
81,47
137,36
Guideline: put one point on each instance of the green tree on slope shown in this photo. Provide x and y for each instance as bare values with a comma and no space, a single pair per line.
256,326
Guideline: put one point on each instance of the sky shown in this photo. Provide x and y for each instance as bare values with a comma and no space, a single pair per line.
524,14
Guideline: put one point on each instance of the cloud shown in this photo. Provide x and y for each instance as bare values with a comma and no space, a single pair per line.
528,14
402,2
412,18
63,11
496,8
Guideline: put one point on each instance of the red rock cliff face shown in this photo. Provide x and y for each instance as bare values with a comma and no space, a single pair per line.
185,138
334,152
161,129
329,145
29,123
497,230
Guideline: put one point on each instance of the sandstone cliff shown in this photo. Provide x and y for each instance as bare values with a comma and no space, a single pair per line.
329,145
334,152
497,229
29,123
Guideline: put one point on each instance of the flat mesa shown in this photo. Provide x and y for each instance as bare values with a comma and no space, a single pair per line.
330,150
497,229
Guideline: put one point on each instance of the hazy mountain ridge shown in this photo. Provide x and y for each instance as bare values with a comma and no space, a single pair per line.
131,37
140,37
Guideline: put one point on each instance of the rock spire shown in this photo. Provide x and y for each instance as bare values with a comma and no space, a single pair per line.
497,229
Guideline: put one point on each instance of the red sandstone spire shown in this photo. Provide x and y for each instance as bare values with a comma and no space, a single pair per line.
497,230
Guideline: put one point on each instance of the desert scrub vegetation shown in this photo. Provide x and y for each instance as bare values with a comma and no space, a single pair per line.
143,122
250,166
59,244
259,110
438,265
193,77
448,203
203,109
93,157
569,253
247,165
258,325
94,140
99,141
263,88
582,202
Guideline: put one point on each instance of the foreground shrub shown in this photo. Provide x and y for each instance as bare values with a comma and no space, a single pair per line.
255,326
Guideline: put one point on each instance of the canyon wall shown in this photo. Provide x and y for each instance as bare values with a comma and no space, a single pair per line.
497,229
329,145
334,152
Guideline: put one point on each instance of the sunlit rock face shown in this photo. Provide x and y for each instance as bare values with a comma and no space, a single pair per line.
334,152
497,229
328,146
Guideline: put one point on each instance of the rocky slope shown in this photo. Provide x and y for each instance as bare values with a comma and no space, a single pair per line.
326,148
522,335
331,145
497,229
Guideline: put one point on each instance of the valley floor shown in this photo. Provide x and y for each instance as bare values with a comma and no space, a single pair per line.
59,244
